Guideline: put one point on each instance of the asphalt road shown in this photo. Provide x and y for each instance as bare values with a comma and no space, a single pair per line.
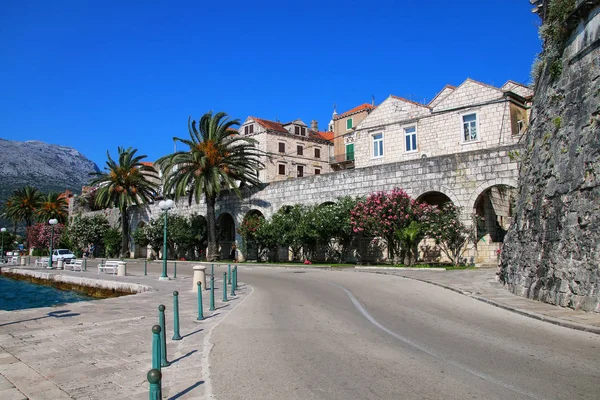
347,335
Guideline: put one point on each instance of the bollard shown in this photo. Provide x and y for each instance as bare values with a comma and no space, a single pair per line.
229,274
145,267
85,264
200,310
174,269
233,289
176,335
156,347
163,337
224,286
212,294
29,260
154,377
235,285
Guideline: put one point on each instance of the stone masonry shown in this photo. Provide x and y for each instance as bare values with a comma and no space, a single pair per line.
552,250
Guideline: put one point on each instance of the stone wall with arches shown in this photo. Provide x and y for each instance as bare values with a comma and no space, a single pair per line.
461,177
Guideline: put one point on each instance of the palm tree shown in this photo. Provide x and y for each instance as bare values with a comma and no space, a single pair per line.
126,183
22,205
53,206
218,159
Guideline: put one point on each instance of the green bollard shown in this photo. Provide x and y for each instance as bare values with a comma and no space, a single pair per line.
200,310
232,287
212,294
224,286
163,337
156,347
154,377
176,335
174,269
229,274
235,277
28,260
85,264
145,267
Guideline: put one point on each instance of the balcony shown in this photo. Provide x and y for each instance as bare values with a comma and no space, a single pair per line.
342,161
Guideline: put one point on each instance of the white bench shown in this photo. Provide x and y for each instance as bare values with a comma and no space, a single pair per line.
75,265
109,265
13,260
42,262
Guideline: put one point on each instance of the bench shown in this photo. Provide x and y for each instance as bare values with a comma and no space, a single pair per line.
75,265
109,265
42,262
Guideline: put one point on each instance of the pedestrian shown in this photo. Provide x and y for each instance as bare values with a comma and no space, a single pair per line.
92,248
232,252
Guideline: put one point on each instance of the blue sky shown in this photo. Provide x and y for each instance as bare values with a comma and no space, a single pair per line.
95,75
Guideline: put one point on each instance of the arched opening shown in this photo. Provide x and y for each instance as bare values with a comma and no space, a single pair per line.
493,211
225,234
140,250
434,198
252,250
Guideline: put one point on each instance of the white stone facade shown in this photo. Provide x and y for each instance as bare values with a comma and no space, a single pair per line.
495,117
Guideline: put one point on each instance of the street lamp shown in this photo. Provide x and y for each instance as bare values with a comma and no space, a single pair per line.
3,230
52,222
165,206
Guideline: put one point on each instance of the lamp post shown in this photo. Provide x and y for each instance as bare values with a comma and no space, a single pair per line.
2,230
52,222
165,205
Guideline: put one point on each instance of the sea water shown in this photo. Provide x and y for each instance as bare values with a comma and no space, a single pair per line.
18,295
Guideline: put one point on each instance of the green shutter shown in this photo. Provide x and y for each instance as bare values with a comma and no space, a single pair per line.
349,123
350,152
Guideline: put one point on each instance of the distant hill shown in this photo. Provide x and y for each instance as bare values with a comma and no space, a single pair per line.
48,167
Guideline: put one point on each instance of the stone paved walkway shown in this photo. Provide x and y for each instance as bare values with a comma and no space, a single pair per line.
481,284
102,349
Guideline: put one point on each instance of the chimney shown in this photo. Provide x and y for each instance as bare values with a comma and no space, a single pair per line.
314,125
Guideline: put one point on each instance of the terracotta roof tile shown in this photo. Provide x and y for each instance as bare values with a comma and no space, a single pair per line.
355,110
323,135
270,125
147,163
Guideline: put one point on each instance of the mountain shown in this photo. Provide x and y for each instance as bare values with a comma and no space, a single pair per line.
48,167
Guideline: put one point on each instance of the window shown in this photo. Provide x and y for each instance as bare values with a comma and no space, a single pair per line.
317,171
300,171
249,129
281,169
303,131
281,147
349,124
470,127
297,130
350,152
410,138
317,153
378,145
521,125
299,150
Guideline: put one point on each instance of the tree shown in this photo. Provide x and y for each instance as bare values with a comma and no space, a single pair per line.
22,205
218,159
54,205
125,183
38,235
444,226
387,214
84,231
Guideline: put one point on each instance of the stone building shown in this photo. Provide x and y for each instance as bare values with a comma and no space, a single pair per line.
342,126
293,150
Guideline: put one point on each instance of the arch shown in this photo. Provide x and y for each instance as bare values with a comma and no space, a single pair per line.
250,248
140,251
512,182
326,203
226,234
434,198
444,190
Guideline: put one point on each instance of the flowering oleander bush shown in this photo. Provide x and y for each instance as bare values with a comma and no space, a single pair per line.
38,235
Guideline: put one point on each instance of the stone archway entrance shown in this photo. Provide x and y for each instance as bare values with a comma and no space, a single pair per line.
140,251
252,251
225,234
492,216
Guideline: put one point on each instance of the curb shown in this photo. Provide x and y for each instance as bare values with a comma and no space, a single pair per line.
403,269
530,314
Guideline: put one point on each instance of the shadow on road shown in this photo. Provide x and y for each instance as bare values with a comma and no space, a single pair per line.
184,356
189,389
51,314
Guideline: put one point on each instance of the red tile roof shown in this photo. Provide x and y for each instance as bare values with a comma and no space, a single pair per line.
355,110
147,163
270,125
323,135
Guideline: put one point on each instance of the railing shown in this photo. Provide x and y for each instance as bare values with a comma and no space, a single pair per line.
341,158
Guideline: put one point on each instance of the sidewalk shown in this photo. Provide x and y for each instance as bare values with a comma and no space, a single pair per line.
101,349
481,284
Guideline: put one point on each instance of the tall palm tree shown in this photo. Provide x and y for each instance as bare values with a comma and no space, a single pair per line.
218,159
125,183
54,205
21,206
